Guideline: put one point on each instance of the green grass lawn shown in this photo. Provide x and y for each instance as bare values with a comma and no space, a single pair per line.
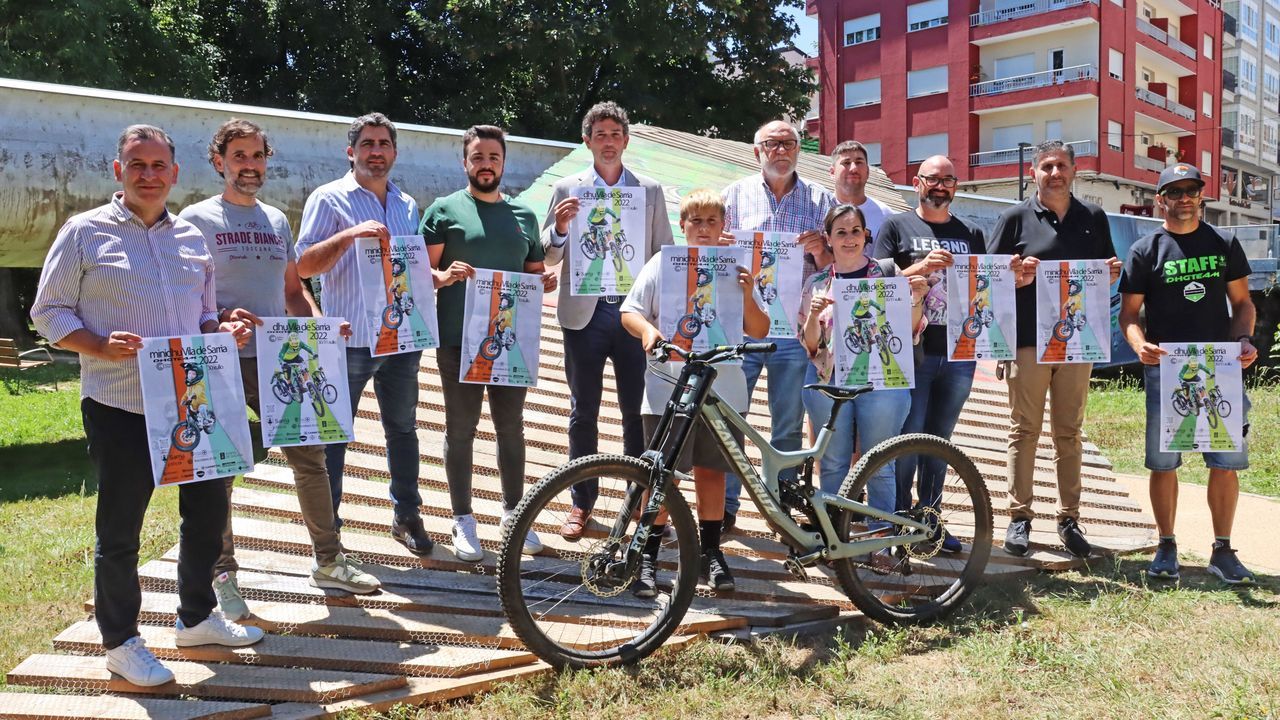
1115,420
47,501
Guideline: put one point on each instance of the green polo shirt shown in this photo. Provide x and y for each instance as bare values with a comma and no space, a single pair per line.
501,235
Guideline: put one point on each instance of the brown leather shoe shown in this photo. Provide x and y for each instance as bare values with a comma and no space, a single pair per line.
576,524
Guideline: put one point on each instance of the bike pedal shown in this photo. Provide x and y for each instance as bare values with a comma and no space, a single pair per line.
794,567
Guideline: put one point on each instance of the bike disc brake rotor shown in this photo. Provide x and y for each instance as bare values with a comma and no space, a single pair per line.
928,548
597,563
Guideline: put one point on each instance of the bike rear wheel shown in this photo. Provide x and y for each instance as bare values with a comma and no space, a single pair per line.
563,604
924,583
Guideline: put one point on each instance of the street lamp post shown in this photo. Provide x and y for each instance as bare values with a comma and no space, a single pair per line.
1022,169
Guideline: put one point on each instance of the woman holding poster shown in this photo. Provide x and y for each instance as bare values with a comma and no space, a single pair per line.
878,415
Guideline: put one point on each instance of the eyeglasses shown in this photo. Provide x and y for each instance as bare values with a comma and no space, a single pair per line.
947,181
772,145
1179,193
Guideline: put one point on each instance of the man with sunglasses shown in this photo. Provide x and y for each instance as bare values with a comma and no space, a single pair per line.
1050,225
923,242
1186,274
778,200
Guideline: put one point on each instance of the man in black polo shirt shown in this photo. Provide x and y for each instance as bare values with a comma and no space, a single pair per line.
1050,225
1186,273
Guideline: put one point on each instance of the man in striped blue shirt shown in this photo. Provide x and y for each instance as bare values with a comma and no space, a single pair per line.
117,274
777,200
365,203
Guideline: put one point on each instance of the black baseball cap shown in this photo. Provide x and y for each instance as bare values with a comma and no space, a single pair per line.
1178,173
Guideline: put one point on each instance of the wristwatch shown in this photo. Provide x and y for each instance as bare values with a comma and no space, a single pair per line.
1242,338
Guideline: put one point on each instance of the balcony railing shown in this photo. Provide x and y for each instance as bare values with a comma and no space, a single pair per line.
1228,80
1229,138
1147,163
1172,106
1082,148
1164,37
1024,9
1034,80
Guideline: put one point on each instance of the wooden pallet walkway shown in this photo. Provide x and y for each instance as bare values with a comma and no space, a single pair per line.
436,631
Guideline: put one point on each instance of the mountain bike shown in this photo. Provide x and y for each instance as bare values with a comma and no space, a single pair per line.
493,345
863,334
1066,328
1188,402
185,435
395,313
553,600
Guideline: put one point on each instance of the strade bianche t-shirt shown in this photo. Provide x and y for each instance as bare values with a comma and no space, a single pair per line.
1183,279
251,246
907,239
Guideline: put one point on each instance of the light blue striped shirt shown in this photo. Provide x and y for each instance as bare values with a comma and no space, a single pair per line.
108,272
750,205
334,207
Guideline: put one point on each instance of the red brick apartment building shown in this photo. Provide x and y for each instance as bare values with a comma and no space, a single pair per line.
1133,85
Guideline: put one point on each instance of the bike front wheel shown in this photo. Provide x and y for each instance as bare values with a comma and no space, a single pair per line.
574,604
919,582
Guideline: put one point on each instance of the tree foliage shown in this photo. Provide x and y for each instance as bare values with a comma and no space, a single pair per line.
533,66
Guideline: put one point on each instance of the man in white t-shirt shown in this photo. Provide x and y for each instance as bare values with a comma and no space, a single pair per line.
850,171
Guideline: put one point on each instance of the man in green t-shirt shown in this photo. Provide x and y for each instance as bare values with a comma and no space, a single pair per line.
475,227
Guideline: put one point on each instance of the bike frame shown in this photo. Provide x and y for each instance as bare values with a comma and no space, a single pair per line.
692,398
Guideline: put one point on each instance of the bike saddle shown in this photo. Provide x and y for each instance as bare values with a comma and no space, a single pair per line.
840,392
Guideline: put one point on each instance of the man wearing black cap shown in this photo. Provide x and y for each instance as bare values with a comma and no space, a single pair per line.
1191,272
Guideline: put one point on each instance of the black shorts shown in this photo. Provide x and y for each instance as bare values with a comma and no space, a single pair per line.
701,449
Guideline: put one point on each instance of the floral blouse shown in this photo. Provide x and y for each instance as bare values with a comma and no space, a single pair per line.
819,284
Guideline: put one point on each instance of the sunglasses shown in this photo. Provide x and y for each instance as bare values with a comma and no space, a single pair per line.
1179,193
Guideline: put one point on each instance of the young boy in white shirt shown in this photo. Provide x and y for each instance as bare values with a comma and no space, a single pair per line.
702,221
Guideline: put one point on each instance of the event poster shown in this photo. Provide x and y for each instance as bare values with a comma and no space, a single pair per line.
982,321
1073,311
193,399
777,265
700,303
302,382
399,294
871,337
1201,397
502,328
606,240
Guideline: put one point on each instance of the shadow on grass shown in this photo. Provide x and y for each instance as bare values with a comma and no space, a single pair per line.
15,382
47,470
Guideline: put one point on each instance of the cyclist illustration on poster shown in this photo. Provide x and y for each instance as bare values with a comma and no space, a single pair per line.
700,304
603,240
502,328
399,295
872,333
1073,311
197,426
984,323
1202,397
302,375
777,264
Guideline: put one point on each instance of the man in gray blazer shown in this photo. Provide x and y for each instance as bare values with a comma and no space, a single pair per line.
592,324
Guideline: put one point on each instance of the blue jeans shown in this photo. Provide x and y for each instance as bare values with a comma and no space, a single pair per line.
936,400
787,366
395,383
874,417
1162,460
585,352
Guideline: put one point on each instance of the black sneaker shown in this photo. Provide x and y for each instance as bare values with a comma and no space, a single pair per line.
1017,539
1164,566
646,584
410,533
1224,564
715,571
1072,536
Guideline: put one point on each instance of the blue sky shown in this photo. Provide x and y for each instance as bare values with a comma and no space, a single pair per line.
807,39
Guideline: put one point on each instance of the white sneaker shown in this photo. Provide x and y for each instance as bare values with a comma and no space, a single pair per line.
466,544
532,544
135,663
344,574
216,630
229,598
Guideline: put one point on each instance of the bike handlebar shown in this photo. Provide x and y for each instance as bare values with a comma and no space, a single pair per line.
662,349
